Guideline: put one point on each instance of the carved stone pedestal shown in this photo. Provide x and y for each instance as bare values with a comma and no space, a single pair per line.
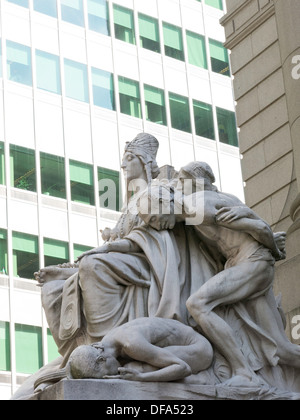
116,390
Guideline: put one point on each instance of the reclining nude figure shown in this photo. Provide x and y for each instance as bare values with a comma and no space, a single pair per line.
146,349
250,250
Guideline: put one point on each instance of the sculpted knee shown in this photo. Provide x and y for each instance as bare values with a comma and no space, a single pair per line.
192,304
197,306
87,266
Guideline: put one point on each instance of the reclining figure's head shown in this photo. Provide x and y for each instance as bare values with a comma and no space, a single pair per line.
91,362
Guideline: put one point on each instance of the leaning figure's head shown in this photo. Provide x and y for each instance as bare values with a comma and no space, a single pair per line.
90,362
201,175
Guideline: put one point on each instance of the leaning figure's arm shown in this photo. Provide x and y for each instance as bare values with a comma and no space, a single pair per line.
259,230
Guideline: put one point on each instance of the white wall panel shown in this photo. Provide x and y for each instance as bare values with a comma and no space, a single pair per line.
192,17
151,69
73,45
3,213
19,119
148,7
231,175
106,145
100,52
126,62
213,29
49,128
77,126
5,392
23,217
4,307
164,154
222,92
84,229
54,224
2,137
169,11
27,307
182,153
175,77
199,85
45,37
11,22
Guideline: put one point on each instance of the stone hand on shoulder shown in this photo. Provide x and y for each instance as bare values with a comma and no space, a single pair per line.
230,214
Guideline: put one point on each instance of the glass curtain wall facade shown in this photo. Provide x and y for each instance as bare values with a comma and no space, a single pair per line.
77,80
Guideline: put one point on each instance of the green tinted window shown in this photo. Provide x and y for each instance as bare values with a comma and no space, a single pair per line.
204,120
98,15
173,41
218,4
130,98
124,24
72,12
82,183
53,175
23,3
47,7
23,168
25,255
55,252
155,105
29,351
196,49
4,347
149,33
76,80
180,113
227,127
3,252
109,189
103,89
219,58
19,64
2,164
48,72
80,249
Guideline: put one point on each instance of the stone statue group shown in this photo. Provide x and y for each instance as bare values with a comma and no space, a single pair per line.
181,290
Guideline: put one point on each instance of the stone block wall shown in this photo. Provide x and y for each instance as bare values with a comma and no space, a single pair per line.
261,37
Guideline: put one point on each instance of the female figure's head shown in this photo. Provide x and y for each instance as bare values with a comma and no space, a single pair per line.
139,161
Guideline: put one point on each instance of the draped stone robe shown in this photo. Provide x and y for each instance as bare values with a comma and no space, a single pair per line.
112,289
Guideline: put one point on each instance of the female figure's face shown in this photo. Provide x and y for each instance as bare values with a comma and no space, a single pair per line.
133,167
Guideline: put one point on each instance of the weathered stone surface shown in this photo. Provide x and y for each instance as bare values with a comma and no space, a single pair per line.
178,302
114,390
264,39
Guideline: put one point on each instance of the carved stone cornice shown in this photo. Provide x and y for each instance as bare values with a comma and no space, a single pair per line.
248,27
